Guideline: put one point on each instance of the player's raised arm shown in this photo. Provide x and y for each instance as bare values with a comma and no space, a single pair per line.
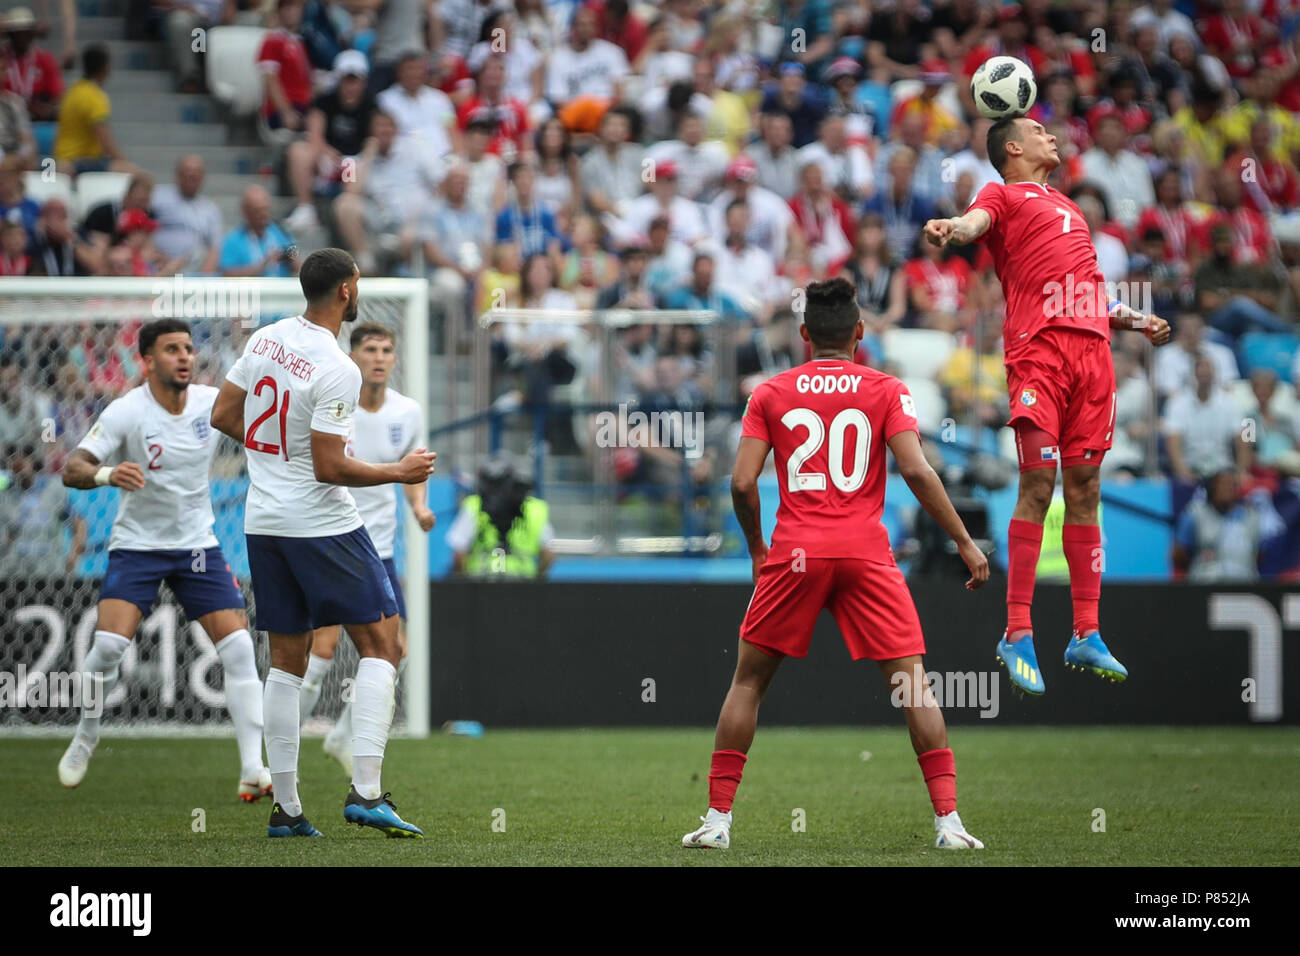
1152,326
929,491
744,496
228,411
959,229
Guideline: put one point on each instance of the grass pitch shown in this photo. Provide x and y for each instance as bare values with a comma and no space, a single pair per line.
844,796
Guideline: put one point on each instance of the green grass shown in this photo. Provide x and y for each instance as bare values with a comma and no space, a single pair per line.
1172,797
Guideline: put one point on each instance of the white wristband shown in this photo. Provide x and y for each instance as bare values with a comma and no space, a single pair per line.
103,475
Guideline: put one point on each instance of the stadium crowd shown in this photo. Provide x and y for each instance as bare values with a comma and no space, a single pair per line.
687,154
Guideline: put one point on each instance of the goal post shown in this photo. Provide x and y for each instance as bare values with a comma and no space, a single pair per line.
68,349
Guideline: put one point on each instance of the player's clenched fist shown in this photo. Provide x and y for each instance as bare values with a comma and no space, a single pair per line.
939,231
1157,330
127,476
416,466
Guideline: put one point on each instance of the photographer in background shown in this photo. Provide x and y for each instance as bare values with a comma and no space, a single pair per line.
501,530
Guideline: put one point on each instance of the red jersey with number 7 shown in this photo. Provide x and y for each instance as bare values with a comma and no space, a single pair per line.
1045,258
827,422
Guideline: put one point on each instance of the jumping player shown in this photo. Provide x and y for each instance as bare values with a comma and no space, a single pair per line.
161,444
290,399
1060,378
386,426
828,422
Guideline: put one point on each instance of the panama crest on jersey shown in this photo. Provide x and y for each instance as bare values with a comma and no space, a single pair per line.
1029,398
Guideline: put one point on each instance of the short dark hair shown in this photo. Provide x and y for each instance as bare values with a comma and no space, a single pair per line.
150,332
94,59
370,330
1000,133
831,311
324,271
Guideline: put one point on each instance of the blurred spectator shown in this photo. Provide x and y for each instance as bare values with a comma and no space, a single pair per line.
1178,223
587,268
337,125
521,65
631,290
181,19
1122,102
189,225
525,221
586,66
1112,257
36,522
487,173
974,159
454,236
687,220
539,24
875,272
1234,34
700,163
557,165
1174,365
701,293
823,222
26,408
400,28
16,136
895,38
395,179
1199,123
84,142
928,180
101,220
770,217
1134,424
1219,536
1260,94
775,155
745,271
30,71
1169,22
1252,240
501,530
1202,428
1274,442
670,259
938,280
258,247
135,230
938,124
119,260
661,65
498,285
1120,173
846,168
420,111
1167,280
1159,76
544,352
1011,40
770,349
1236,298
842,77
14,260
491,101
286,70
75,408
974,381
903,211
1269,184
634,360
462,23
611,170
326,31
58,250
796,100
14,206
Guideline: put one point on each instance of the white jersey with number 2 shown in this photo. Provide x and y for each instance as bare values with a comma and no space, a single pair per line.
298,381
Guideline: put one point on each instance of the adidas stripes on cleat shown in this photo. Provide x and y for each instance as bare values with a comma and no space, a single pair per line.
1022,664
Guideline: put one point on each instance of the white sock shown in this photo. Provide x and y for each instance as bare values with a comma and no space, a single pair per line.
372,716
717,816
317,669
102,667
243,699
280,706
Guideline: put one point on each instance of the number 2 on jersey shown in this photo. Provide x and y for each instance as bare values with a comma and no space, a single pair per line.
798,480
251,443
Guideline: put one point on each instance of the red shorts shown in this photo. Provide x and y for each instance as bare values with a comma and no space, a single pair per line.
868,599
1063,382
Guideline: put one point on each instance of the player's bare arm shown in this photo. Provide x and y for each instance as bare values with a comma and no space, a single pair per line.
929,491
958,229
416,498
744,496
333,466
228,411
84,471
1152,326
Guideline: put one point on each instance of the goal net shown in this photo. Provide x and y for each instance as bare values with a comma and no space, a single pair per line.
68,348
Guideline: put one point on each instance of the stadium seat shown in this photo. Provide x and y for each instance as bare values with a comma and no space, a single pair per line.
930,406
44,134
919,353
95,188
1273,350
232,71
38,187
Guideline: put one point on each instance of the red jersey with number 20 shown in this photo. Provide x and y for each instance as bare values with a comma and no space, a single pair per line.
1045,258
827,422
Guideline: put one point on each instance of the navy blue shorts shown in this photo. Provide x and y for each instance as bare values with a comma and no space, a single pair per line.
396,582
301,584
201,580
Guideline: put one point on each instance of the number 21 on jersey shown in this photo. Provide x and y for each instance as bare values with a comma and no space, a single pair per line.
278,408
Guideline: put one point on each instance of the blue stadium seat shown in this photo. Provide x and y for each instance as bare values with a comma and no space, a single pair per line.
1272,350
44,133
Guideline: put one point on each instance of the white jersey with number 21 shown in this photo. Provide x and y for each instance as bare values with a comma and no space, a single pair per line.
298,381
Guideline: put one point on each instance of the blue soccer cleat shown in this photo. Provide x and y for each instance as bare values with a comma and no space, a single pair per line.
1022,664
380,813
283,825
1089,653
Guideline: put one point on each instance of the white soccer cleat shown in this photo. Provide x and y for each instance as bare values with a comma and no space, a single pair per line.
340,750
73,764
951,835
250,791
714,835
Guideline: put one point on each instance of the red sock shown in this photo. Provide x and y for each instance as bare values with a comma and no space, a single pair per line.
1024,541
1082,546
940,772
724,778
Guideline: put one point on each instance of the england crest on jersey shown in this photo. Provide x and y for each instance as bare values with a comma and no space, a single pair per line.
395,434
202,429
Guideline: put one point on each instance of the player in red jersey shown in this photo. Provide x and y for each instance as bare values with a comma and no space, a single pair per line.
828,422
1060,378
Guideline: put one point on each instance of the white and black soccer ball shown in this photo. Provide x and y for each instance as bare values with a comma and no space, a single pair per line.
1003,85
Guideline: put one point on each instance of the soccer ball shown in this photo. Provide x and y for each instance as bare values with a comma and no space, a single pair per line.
1002,86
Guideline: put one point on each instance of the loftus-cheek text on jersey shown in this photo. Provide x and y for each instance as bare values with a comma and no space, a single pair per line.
827,422
1044,255
297,381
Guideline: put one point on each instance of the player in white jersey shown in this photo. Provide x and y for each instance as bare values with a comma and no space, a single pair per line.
290,399
386,426
160,443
